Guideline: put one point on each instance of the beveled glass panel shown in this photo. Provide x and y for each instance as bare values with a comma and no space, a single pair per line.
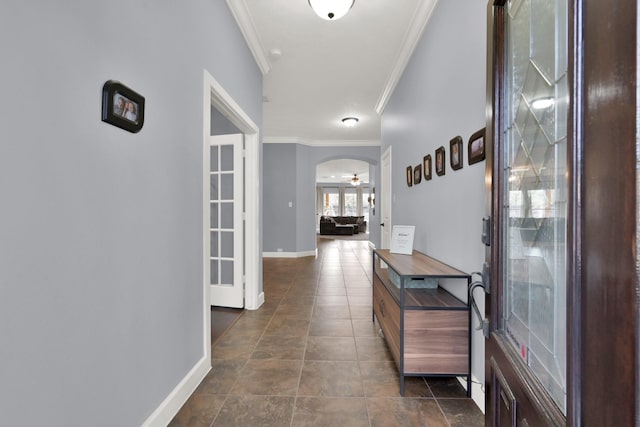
543,38
226,186
534,312
226,157
518,35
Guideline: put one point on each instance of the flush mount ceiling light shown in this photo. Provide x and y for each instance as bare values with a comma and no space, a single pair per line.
331,9
350,121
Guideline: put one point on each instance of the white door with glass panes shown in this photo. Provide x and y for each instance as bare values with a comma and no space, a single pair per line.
226,208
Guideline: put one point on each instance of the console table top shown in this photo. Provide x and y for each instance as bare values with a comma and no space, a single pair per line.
418,264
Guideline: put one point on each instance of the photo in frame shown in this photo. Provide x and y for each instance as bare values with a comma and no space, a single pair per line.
440,159
409,176
417,174
426,167
455,148
476,149
122,106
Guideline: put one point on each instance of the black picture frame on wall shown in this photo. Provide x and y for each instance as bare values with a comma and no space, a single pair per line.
440,161
122,106
456,156
417,174
426,167
476,147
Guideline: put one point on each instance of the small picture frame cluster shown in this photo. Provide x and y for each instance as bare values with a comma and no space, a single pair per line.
122,106
475,150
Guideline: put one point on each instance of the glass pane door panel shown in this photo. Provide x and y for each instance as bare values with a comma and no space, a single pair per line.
226,272
226,158
214,273
226,186
535,169
214,214
213,235
213,186
226,244
213,158
226,215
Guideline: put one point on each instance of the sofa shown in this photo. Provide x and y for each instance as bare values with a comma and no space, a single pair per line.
342,225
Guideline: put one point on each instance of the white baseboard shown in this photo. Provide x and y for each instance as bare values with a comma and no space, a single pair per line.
289,254
260,302
179,395
477,393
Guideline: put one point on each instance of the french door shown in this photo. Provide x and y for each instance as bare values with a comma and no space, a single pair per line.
562,305
226,222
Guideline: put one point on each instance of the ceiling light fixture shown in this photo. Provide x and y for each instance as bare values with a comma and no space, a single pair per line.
355,180
350,121
331,9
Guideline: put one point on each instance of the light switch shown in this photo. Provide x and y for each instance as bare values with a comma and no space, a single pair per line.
290,204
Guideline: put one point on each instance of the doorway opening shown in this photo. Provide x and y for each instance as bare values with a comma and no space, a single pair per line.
216,98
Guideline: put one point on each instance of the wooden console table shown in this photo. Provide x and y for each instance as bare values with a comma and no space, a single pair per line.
427,330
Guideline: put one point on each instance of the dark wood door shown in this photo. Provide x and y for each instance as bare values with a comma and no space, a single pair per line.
562,171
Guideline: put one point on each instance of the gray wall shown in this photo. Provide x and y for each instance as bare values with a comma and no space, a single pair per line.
440,95
101,229
290,175
279,177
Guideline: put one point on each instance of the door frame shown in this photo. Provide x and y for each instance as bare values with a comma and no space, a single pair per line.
602,241
386,195
216,97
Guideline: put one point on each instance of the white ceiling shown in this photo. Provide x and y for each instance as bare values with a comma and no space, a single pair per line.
317,72
342,171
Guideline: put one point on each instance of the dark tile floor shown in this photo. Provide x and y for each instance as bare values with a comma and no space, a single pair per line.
311,356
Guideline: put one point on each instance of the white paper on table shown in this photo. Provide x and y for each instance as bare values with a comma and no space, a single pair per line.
402,239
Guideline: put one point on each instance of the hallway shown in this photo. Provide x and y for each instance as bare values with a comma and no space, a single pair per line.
311,356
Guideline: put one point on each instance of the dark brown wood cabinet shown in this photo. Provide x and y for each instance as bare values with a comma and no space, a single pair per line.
426,329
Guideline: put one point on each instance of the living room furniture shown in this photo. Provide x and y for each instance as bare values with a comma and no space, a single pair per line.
333,228
426,328
358,223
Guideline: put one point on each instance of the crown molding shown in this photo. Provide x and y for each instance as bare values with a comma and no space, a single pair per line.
321,142
240,12
411,38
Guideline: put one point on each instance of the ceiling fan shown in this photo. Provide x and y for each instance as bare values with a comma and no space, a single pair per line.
352,179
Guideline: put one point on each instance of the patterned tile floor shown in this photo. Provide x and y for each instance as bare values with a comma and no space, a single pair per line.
311,356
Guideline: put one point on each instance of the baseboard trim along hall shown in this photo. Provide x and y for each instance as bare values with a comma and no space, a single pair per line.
164,413
289,254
